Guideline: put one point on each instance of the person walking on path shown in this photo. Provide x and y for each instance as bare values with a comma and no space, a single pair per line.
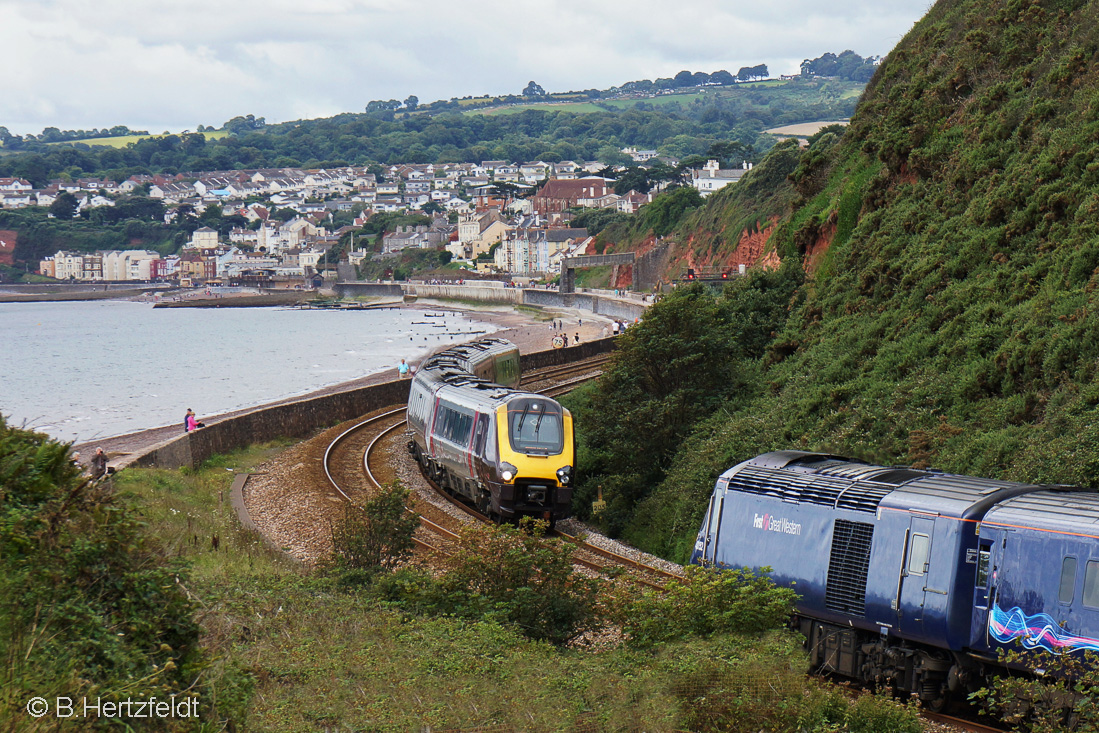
191,422
99,463
577,342
402,369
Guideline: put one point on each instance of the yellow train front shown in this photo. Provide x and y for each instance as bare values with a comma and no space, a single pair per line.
510,453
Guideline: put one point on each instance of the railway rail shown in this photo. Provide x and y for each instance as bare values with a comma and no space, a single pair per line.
960,723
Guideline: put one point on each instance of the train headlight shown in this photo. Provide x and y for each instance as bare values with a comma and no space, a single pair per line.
507,471
564,475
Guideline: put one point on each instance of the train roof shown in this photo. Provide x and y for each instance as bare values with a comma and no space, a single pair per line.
452,365
844,483
1064,509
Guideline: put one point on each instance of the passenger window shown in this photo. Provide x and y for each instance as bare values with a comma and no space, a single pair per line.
1091,584
983,557
917,554
1068,580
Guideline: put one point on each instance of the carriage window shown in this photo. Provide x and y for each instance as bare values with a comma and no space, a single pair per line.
1091,584
454,425
983,556
917,554
535,426
1068,580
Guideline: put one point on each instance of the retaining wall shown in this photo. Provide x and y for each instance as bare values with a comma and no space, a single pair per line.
510,296
613,307
302,419
350,290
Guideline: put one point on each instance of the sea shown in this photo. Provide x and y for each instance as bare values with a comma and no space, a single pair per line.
79,371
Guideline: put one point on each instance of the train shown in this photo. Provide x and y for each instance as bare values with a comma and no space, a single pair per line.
508,452
909,579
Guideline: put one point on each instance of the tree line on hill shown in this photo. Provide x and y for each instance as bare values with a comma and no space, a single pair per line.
677,129
848,65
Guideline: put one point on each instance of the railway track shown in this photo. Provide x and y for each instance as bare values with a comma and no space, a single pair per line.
960,723
354,468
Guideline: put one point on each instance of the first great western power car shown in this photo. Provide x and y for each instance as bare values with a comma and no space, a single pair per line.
912,579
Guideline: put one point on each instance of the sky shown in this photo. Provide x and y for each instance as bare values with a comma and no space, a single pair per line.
168,65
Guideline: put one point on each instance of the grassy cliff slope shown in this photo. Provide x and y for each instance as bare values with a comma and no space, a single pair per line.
952,242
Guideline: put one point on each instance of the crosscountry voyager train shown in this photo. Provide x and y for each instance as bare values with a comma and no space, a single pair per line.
912,579
510,453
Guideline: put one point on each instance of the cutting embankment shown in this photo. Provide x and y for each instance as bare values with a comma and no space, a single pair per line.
950,243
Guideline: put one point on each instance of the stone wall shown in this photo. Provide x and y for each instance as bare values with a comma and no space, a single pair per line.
302,419
612,307
352,289
510,296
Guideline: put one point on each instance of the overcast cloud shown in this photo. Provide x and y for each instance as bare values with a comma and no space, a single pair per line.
172,65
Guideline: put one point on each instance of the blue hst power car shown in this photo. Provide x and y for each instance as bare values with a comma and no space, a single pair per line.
908,578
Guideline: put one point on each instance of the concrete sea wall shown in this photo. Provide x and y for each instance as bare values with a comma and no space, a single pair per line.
594,302
303,418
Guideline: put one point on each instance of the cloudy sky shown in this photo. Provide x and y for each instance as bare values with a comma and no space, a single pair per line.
172,65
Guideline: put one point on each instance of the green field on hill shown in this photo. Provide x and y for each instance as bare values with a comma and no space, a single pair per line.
121,141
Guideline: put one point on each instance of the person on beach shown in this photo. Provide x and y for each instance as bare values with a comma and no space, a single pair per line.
402,369
577,342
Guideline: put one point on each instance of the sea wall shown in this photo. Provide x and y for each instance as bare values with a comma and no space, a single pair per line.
512,296
611,307
616,308
383,290
303,418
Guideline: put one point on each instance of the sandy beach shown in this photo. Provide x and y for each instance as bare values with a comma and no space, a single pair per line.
527,329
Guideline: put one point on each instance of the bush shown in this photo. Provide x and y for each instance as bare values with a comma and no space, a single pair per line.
1064,698
90,604
707,601
375,536
510,575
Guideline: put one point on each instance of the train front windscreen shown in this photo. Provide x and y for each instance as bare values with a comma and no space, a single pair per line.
536,426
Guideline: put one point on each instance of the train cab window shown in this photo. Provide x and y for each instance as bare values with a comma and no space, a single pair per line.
535,426
984,555
918,554
1091,584
1068,580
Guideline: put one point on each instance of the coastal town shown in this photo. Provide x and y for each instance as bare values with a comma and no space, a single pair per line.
492,217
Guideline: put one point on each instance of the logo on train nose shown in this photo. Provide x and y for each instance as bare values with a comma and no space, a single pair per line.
774,524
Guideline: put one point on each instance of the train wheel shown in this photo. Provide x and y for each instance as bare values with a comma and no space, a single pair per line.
484,503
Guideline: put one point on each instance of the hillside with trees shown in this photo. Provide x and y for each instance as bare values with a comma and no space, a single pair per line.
675,125
936,299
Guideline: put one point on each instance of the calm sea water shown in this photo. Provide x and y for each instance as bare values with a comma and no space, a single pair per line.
79,371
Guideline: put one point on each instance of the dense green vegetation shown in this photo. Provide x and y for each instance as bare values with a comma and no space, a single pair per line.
949,318
92,605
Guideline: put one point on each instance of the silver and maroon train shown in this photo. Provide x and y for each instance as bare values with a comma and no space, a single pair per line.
511,453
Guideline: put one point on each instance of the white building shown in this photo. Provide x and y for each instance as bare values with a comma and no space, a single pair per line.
712,178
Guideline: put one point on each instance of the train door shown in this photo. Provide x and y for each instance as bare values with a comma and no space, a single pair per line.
912,580
711,533
982,591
